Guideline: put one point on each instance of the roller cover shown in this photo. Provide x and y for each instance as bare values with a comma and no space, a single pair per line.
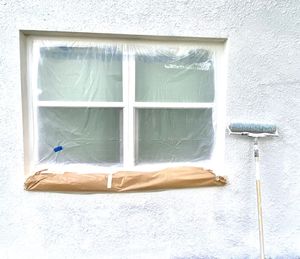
123,181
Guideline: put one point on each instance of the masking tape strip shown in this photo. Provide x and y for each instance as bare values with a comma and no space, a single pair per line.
109,181
58,148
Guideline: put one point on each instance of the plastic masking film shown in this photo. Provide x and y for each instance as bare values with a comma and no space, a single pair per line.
70,133
70,73
173,74
81,111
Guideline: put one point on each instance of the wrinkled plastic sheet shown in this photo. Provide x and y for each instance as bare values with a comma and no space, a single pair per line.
70,81
74,72
179,177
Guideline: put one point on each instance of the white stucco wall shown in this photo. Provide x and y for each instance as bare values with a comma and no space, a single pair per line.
263,84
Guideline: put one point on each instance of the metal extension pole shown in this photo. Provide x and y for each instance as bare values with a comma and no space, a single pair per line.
259,203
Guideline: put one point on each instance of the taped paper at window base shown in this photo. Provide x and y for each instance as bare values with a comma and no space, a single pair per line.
124,181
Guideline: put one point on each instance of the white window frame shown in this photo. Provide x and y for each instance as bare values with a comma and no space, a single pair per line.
128,104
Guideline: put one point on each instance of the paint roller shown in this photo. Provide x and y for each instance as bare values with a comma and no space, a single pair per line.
256,131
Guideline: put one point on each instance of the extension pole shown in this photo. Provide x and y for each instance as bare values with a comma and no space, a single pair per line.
258,195
255,131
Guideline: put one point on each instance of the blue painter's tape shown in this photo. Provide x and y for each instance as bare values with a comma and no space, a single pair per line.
58,148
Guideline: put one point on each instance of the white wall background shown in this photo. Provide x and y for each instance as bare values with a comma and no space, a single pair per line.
263,84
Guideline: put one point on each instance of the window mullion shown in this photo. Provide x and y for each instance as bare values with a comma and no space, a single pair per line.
125,101
131,111
128,113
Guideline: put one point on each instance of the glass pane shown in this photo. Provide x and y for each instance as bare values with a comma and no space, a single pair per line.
80,74
174,75
173,135
80,135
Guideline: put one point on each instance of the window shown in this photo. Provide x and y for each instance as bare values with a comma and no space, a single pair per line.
123,103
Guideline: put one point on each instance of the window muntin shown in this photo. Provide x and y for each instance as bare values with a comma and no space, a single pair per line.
128,62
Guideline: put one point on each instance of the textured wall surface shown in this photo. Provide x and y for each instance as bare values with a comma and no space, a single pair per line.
263,84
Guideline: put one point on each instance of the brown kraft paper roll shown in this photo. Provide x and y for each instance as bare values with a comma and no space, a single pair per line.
123,181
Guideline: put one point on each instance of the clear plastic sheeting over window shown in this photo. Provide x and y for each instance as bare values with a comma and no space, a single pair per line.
80,135
121,103
80,73
172,135
168,74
